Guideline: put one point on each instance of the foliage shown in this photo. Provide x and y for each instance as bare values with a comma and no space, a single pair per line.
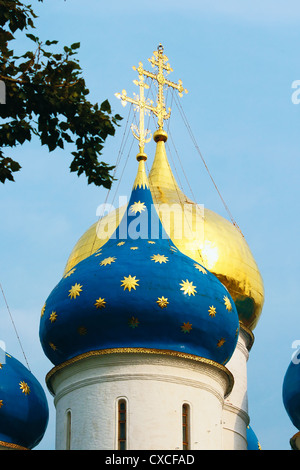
46,96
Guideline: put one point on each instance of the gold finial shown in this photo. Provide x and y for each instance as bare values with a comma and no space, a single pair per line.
159,60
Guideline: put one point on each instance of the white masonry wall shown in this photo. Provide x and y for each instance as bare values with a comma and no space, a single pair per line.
235,415
154,386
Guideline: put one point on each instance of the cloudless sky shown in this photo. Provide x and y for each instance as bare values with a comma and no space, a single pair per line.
238,61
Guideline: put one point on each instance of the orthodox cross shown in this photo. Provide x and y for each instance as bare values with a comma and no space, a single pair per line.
144,106
160,61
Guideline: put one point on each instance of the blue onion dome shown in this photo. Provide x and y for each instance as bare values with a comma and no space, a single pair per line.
291,392
252,441
139,291
23,405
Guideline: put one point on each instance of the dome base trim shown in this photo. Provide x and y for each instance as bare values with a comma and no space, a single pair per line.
166,352
12,446
295,441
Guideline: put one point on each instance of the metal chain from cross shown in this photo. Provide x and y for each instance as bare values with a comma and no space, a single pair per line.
160,61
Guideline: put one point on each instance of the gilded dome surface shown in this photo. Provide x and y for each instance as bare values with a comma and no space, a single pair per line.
199,233
139,291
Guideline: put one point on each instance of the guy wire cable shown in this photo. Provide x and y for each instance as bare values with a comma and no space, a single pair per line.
14,326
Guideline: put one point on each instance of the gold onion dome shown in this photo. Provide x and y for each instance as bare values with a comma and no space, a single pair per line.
201,234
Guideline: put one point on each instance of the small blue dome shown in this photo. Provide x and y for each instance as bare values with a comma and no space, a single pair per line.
291,393
139,291
23,405
252,441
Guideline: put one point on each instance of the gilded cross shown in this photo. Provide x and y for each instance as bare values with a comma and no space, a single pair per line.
161,61
144,106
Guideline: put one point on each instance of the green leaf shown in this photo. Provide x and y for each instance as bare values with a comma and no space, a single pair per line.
32,37
105,107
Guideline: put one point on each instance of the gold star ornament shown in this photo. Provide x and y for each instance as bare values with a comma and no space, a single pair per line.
53,317
107,261
188,288
200,268
82,330
133,322
137,207
227,303
100,303
186,327
75,291
162,302
69,273
159,259
129,282
43,310
212,311
25,388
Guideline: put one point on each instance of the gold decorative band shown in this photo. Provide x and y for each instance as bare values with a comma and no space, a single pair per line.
164,352
295,441
12,446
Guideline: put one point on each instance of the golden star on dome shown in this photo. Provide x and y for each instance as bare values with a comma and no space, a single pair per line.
24,387
121,243
162,302
212,311
43,310
133,322
109,260
75,291
82,330
151,242
129,282
200,268
159,258
134,247
100,303
69,273
186,327
227,303
52,346
1,403
221,342
53,317
137,207
188,287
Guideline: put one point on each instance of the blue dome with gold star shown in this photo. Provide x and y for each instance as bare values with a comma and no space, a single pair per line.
139,292
291,392
23,405
252,440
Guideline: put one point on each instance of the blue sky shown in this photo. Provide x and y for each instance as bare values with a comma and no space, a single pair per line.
238,60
